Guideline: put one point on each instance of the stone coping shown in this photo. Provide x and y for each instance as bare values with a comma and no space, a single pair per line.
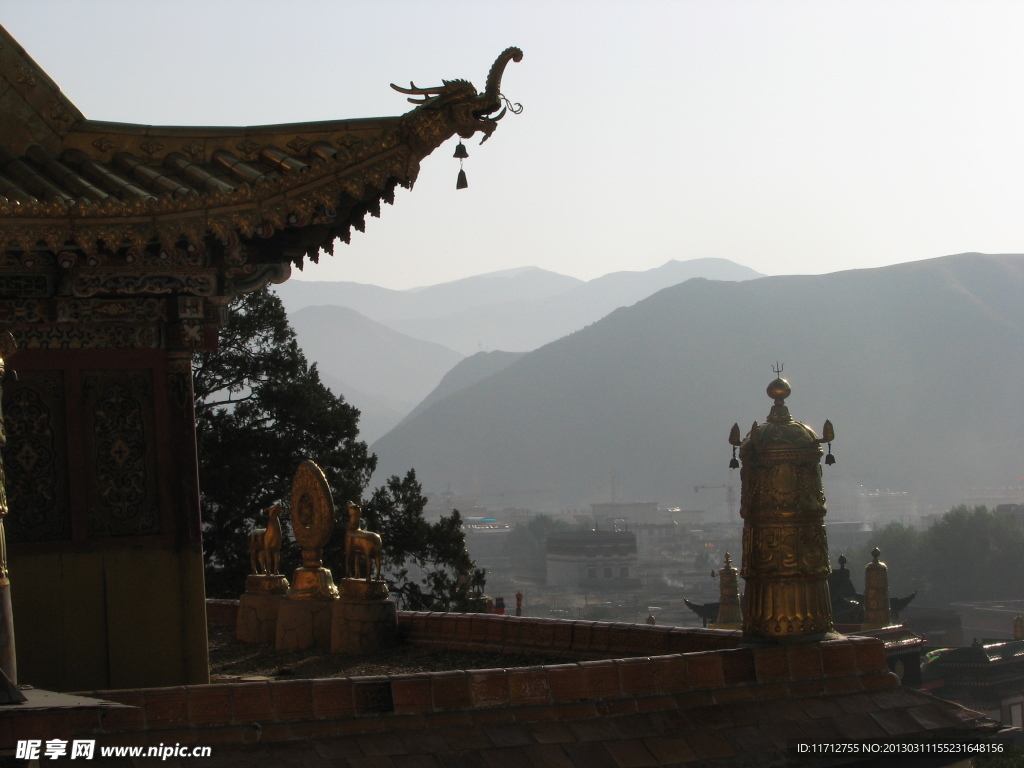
265,710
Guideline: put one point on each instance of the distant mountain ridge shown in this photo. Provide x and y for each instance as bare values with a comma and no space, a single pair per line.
525,324
385,304
513,310
918,366
386,350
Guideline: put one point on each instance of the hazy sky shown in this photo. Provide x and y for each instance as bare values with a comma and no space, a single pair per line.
792,137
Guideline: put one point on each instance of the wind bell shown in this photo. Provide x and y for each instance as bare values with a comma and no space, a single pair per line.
827,436
461,154
735,442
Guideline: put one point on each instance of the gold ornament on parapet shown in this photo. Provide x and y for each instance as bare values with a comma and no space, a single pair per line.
265,557
362,555
312,517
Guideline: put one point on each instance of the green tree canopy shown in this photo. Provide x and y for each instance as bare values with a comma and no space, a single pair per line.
430,566
968,554
261,409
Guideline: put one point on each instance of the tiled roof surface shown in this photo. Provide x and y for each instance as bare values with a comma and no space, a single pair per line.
699,728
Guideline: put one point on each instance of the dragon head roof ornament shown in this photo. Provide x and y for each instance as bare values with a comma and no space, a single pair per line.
467,110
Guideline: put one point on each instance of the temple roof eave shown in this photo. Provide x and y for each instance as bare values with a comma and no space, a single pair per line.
69,183
234,180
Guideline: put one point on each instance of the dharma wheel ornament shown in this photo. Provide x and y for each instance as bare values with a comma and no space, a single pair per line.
785,550
312,513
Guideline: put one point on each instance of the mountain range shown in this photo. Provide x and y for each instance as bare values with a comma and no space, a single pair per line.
386,350
917,365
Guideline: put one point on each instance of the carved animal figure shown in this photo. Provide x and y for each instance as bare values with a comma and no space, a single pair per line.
468,110
360,545
265,544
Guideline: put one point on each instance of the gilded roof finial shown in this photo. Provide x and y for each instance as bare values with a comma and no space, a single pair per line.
785,550
778,391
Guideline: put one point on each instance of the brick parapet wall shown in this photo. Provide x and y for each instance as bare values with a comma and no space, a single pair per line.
275,710
583,640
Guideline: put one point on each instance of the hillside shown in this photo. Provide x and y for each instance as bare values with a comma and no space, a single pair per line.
918,366
356,355
466,373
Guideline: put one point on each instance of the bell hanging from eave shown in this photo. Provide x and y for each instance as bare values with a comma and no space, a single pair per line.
460,155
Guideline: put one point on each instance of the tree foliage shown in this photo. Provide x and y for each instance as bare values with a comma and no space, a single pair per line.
968,554
260,410
429,568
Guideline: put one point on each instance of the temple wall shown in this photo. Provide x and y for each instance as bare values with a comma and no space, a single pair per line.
117,617
103,531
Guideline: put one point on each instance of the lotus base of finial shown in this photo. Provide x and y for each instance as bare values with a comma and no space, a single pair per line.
313,584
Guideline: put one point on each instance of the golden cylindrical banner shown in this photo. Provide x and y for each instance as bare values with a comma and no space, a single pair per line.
785,550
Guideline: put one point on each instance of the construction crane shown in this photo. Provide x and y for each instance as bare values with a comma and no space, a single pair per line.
730,496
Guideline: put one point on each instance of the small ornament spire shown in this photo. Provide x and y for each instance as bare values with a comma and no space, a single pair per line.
876,593
778,391
730,614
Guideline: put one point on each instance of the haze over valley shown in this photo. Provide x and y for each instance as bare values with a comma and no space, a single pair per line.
386,350
917,365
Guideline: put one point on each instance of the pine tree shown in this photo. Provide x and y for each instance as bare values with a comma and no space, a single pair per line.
430,566
260,410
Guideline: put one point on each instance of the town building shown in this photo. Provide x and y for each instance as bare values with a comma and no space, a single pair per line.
598,560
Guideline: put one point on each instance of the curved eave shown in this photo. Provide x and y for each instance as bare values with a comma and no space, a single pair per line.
113,185
121,184
71,183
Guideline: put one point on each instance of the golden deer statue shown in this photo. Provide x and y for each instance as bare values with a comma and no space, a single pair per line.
360,544
265,544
